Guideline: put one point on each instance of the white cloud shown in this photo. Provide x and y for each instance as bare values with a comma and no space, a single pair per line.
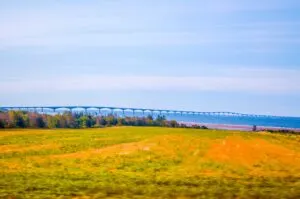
149,39
247,80
229,6
139,24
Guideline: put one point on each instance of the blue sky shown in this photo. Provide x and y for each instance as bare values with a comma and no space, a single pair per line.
210,55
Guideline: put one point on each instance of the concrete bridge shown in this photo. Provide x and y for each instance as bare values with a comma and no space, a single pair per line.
123,110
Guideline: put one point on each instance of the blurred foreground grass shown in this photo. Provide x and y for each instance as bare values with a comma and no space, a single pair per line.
143,162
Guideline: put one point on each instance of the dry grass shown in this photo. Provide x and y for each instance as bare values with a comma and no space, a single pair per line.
11,166
119,149
166,145
20,148
21,132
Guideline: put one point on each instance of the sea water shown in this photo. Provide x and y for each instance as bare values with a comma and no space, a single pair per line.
285,122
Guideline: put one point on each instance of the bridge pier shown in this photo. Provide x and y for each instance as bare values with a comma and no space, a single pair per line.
161,112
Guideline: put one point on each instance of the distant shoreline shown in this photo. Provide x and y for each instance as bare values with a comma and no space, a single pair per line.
235,126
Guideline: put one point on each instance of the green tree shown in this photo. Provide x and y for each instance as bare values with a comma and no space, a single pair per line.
70,120
3,119
139,122
83,121
21,119
40,123
102,121
16,119
2,124
149,117
254,128
52,122
62,122
90,121
174,124
121,121
111,120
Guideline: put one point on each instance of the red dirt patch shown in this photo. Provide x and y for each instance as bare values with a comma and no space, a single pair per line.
237,150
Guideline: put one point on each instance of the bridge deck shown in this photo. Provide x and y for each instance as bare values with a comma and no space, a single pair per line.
123,109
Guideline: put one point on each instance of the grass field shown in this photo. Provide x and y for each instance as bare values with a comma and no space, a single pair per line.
142,162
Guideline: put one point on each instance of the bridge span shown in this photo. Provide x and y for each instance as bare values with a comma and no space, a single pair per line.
144,111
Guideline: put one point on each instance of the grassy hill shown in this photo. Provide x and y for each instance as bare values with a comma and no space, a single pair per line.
144,162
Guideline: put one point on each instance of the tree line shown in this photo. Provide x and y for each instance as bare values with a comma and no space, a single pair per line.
24,119
283,131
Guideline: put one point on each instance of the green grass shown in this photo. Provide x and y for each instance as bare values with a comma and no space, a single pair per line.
144,162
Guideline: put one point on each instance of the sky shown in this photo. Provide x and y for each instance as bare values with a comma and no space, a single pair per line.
208,55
